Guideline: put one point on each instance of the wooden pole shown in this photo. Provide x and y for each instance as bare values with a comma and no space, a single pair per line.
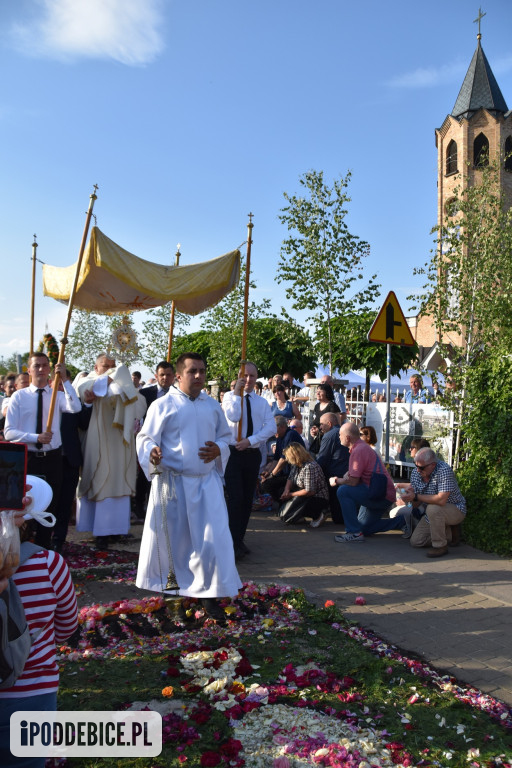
246,312
171,325
72,294
32,303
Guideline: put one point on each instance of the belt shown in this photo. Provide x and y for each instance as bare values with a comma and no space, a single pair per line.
42,454
245,450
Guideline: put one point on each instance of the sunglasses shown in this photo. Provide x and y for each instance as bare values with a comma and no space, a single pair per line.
421,467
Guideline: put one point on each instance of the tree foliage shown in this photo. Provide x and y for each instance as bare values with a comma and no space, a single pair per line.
469,295
485,476
278,344
155,334
469,278
199,341
351,349
225,323
10,364
91,334
321,260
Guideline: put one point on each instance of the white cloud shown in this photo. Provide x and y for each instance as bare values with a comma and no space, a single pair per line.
428,77
127,31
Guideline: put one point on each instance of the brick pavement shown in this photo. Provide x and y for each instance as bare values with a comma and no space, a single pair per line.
455,611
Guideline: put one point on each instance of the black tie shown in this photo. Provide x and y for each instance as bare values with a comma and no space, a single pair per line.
39,418
249,416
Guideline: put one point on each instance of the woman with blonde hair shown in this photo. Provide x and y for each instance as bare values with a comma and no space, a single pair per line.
305,493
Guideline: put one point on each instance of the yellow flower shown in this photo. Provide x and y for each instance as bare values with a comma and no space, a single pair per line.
229,609
268,622
168,692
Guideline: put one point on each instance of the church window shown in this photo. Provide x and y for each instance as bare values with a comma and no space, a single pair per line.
481,151
451,207
508,153
451,157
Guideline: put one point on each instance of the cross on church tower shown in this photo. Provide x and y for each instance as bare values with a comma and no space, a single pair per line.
479,19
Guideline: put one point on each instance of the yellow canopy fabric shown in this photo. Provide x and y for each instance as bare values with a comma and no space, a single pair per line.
114,280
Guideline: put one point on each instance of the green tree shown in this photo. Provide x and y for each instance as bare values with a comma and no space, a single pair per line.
91,334
469,295
322,261
278,344
225,323
469,278
155,333
10,364
351,349
199,341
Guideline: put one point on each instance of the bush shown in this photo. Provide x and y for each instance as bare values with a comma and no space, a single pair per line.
485,478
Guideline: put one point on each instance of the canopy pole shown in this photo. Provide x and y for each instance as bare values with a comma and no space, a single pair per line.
32,303
173,308
250,225
64,339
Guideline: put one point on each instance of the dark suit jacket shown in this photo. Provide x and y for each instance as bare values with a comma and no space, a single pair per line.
149,393
333,456
69,425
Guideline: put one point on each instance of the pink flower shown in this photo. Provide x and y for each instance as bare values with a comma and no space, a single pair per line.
281,762
360,600
210,759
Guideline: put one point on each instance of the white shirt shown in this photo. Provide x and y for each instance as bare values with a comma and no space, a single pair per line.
263,423
20,420
340,402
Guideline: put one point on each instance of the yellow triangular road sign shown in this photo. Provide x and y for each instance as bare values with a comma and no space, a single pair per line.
391,327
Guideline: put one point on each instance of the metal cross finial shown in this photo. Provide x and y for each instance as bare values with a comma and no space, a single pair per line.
479,19
250,215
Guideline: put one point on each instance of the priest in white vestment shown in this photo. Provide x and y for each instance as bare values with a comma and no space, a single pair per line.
186,437
109,470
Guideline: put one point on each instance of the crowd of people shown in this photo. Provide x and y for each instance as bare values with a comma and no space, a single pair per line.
91,457
189,466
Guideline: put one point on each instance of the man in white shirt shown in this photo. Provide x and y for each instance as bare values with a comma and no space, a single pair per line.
186,542
247,454
26,422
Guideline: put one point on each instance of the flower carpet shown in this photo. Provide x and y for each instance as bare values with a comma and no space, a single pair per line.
279,683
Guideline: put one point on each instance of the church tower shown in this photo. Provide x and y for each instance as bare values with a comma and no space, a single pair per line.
478,130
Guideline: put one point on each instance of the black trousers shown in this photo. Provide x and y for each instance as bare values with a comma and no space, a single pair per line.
241,477
49,467
70,476
142,490
274,486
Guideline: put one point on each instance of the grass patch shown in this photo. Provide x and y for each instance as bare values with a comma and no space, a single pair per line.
334,689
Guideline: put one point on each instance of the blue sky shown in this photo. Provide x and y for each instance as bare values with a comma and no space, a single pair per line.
189,115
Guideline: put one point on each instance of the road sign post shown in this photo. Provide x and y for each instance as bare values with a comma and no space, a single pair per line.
390,327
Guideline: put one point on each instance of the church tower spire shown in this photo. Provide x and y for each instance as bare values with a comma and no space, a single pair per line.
479,89
478,131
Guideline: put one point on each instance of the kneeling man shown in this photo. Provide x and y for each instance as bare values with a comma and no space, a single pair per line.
362,512
433,484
